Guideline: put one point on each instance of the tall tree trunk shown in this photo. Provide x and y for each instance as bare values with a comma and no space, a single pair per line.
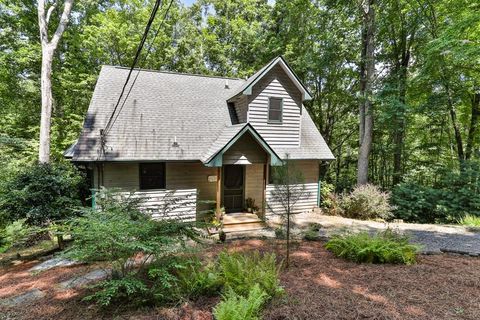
399,135
456,127
366,107
472,131
48,50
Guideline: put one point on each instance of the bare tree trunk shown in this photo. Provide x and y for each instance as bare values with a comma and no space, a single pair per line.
48,50
472,131
366,110
456,128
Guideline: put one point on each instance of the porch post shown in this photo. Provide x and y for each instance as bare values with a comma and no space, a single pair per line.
219,192
265,182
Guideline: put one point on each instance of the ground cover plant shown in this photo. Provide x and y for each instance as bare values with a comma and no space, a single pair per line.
348,290
470,220
384,247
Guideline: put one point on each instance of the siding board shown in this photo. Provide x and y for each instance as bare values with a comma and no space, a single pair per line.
276,84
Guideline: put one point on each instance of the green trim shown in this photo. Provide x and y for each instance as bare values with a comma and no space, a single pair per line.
217,159
94,198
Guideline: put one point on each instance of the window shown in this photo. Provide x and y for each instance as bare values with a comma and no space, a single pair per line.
275,106
152,176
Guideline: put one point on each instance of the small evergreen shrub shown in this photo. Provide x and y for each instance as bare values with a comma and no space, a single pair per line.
42,193
444,201
242,271
237,307
385,247
366,202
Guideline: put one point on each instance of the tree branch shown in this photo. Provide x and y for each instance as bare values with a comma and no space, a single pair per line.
42,25
49,12
67,8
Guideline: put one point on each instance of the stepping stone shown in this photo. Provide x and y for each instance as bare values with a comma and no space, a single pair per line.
81,281
23,298
53,263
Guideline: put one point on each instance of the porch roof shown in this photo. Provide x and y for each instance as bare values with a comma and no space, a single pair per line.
230,134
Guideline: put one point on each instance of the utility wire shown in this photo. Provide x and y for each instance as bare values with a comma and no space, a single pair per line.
149,49
135,60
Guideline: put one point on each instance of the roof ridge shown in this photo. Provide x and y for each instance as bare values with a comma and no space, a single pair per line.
173,72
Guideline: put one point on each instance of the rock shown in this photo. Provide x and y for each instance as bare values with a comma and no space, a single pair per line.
23,298
81,281
53,263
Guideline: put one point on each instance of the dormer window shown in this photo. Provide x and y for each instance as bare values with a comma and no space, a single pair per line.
275,106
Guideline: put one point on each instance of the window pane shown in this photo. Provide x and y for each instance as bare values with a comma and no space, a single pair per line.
275,110
152,175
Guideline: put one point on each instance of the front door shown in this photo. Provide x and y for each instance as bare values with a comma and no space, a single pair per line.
233,183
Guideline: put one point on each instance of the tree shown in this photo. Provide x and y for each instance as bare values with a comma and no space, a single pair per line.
367,70
289,188
48,50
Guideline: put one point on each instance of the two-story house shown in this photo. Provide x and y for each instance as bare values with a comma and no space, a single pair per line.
202,137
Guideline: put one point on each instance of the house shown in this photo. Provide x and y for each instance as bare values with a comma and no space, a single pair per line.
200,137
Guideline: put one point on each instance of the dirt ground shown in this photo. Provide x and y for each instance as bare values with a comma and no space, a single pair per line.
318,286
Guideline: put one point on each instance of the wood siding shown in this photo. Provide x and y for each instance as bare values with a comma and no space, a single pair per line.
254,183
241,108
187,181
245,151
309,169
276,84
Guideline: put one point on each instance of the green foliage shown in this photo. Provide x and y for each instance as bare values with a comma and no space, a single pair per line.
385,247
446,201
241,271
470,221
366,202
129,288
238,307
142,252
198,280
41,194
17,234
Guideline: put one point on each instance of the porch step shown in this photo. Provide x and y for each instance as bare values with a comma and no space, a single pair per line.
238,222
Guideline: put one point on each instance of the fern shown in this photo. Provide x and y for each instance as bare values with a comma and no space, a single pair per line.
385,247
237,307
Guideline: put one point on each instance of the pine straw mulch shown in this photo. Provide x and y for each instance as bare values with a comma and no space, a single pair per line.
318,286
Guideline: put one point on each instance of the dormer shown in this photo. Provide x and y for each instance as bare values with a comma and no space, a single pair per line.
272,101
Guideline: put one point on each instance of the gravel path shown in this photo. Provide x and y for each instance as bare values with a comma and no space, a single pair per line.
432,238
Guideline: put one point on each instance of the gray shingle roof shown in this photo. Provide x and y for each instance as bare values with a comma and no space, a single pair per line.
165,107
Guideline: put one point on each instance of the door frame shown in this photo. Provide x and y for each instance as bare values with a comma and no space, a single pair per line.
243,185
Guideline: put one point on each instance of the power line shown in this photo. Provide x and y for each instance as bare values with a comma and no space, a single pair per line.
149,49
135,60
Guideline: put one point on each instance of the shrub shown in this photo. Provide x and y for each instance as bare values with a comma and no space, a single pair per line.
445,201
241,272
470,221
328,199
17,234
237,307
41,193
366,202
136,248
385,247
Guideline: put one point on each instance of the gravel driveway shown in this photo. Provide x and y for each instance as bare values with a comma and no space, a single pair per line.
432,238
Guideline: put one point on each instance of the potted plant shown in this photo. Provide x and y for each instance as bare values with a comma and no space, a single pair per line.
250,204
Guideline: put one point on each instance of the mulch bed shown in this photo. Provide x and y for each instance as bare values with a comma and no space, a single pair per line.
318,286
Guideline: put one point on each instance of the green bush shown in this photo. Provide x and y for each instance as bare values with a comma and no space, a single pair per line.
196,280
120,232
328,198
446,201
41,193
470,221
17,233
238,307
385,247
242,271
366,202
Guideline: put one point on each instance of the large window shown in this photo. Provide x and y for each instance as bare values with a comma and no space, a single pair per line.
152,175
275,106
